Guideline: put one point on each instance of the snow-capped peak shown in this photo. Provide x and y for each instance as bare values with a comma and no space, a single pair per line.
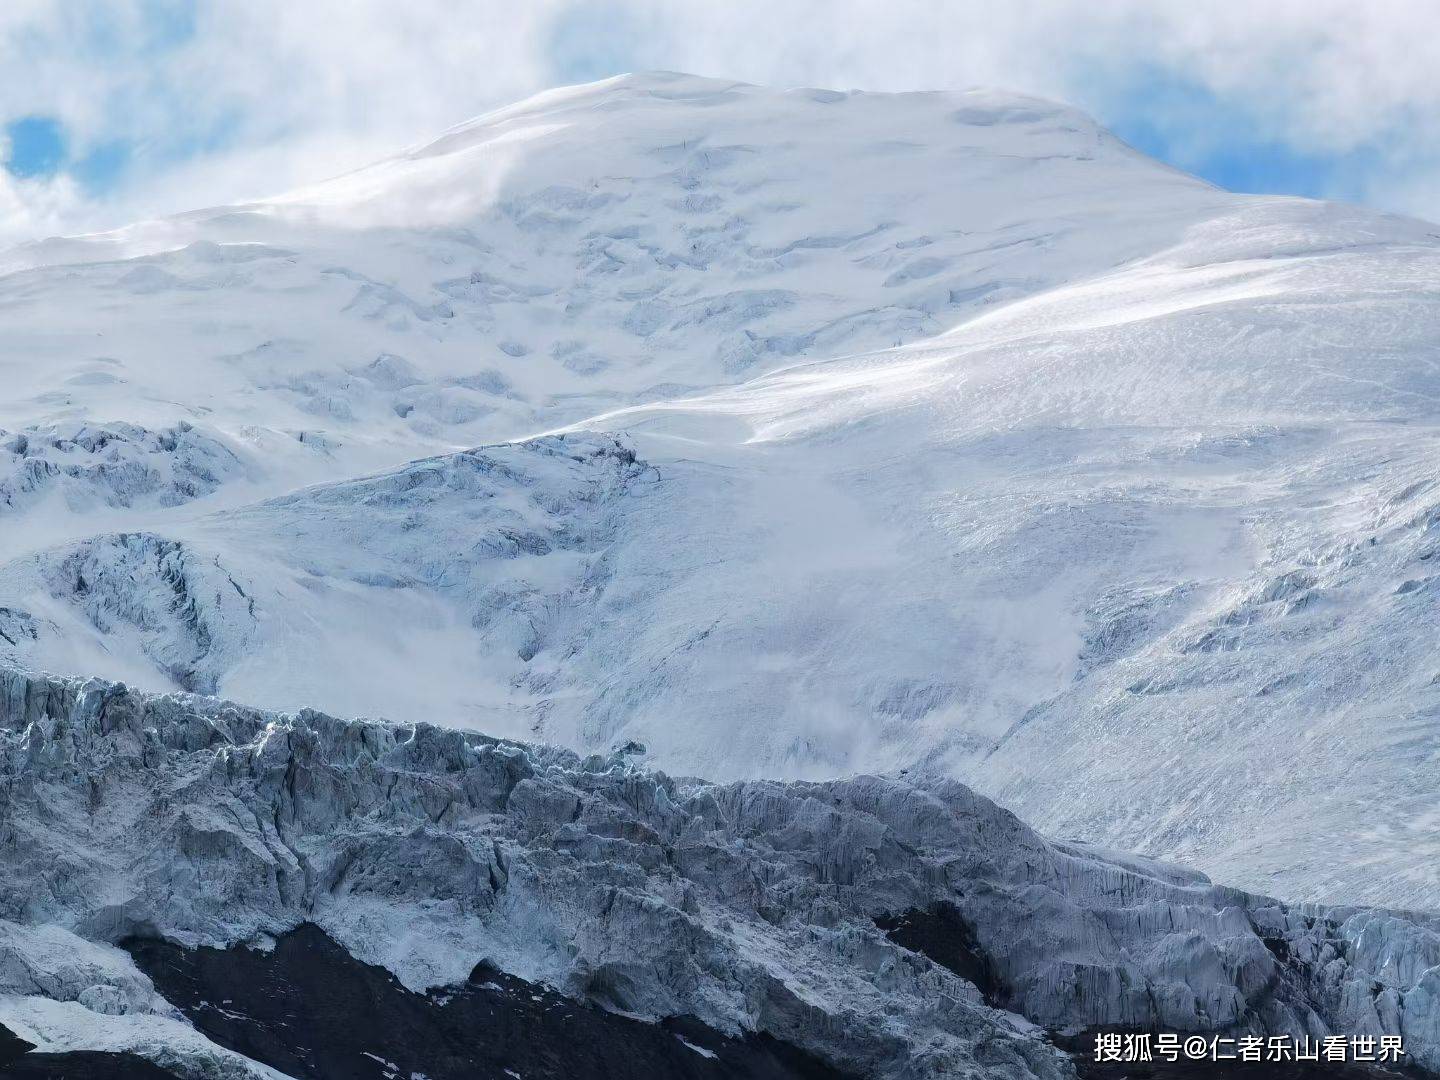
885,430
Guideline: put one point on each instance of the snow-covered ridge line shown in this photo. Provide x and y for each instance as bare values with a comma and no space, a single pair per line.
749,905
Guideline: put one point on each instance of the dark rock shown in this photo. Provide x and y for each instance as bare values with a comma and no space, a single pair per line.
311,1010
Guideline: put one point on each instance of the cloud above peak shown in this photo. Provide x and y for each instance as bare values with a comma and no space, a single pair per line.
164,105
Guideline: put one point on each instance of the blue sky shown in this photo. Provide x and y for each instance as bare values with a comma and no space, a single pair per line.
41,145
115,108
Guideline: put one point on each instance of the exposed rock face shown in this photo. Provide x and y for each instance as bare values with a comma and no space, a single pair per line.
308,1008
82,1065
750,906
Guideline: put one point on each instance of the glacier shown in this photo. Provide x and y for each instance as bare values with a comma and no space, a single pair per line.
753,906
671,427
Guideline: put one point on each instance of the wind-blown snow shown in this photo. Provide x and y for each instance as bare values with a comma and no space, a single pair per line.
938,431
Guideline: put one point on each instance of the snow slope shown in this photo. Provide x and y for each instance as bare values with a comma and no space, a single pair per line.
818,433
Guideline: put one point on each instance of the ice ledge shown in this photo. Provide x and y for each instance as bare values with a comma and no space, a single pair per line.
751,905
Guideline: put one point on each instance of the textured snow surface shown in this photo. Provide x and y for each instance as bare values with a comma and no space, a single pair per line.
63,993
118,465
750,905
818,434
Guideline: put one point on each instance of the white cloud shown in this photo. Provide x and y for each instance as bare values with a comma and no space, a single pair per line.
265,95
30,208
289,92
1323,75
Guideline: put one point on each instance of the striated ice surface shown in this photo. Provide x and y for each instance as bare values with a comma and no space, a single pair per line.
750,905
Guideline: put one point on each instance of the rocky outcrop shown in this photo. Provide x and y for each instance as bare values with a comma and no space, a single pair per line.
309,1009
755,907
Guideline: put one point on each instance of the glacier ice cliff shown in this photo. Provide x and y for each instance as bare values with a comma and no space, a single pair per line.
755,906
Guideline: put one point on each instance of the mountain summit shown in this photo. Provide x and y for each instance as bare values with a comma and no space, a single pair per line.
785,433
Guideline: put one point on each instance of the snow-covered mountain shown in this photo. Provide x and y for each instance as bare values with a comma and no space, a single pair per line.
789,434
